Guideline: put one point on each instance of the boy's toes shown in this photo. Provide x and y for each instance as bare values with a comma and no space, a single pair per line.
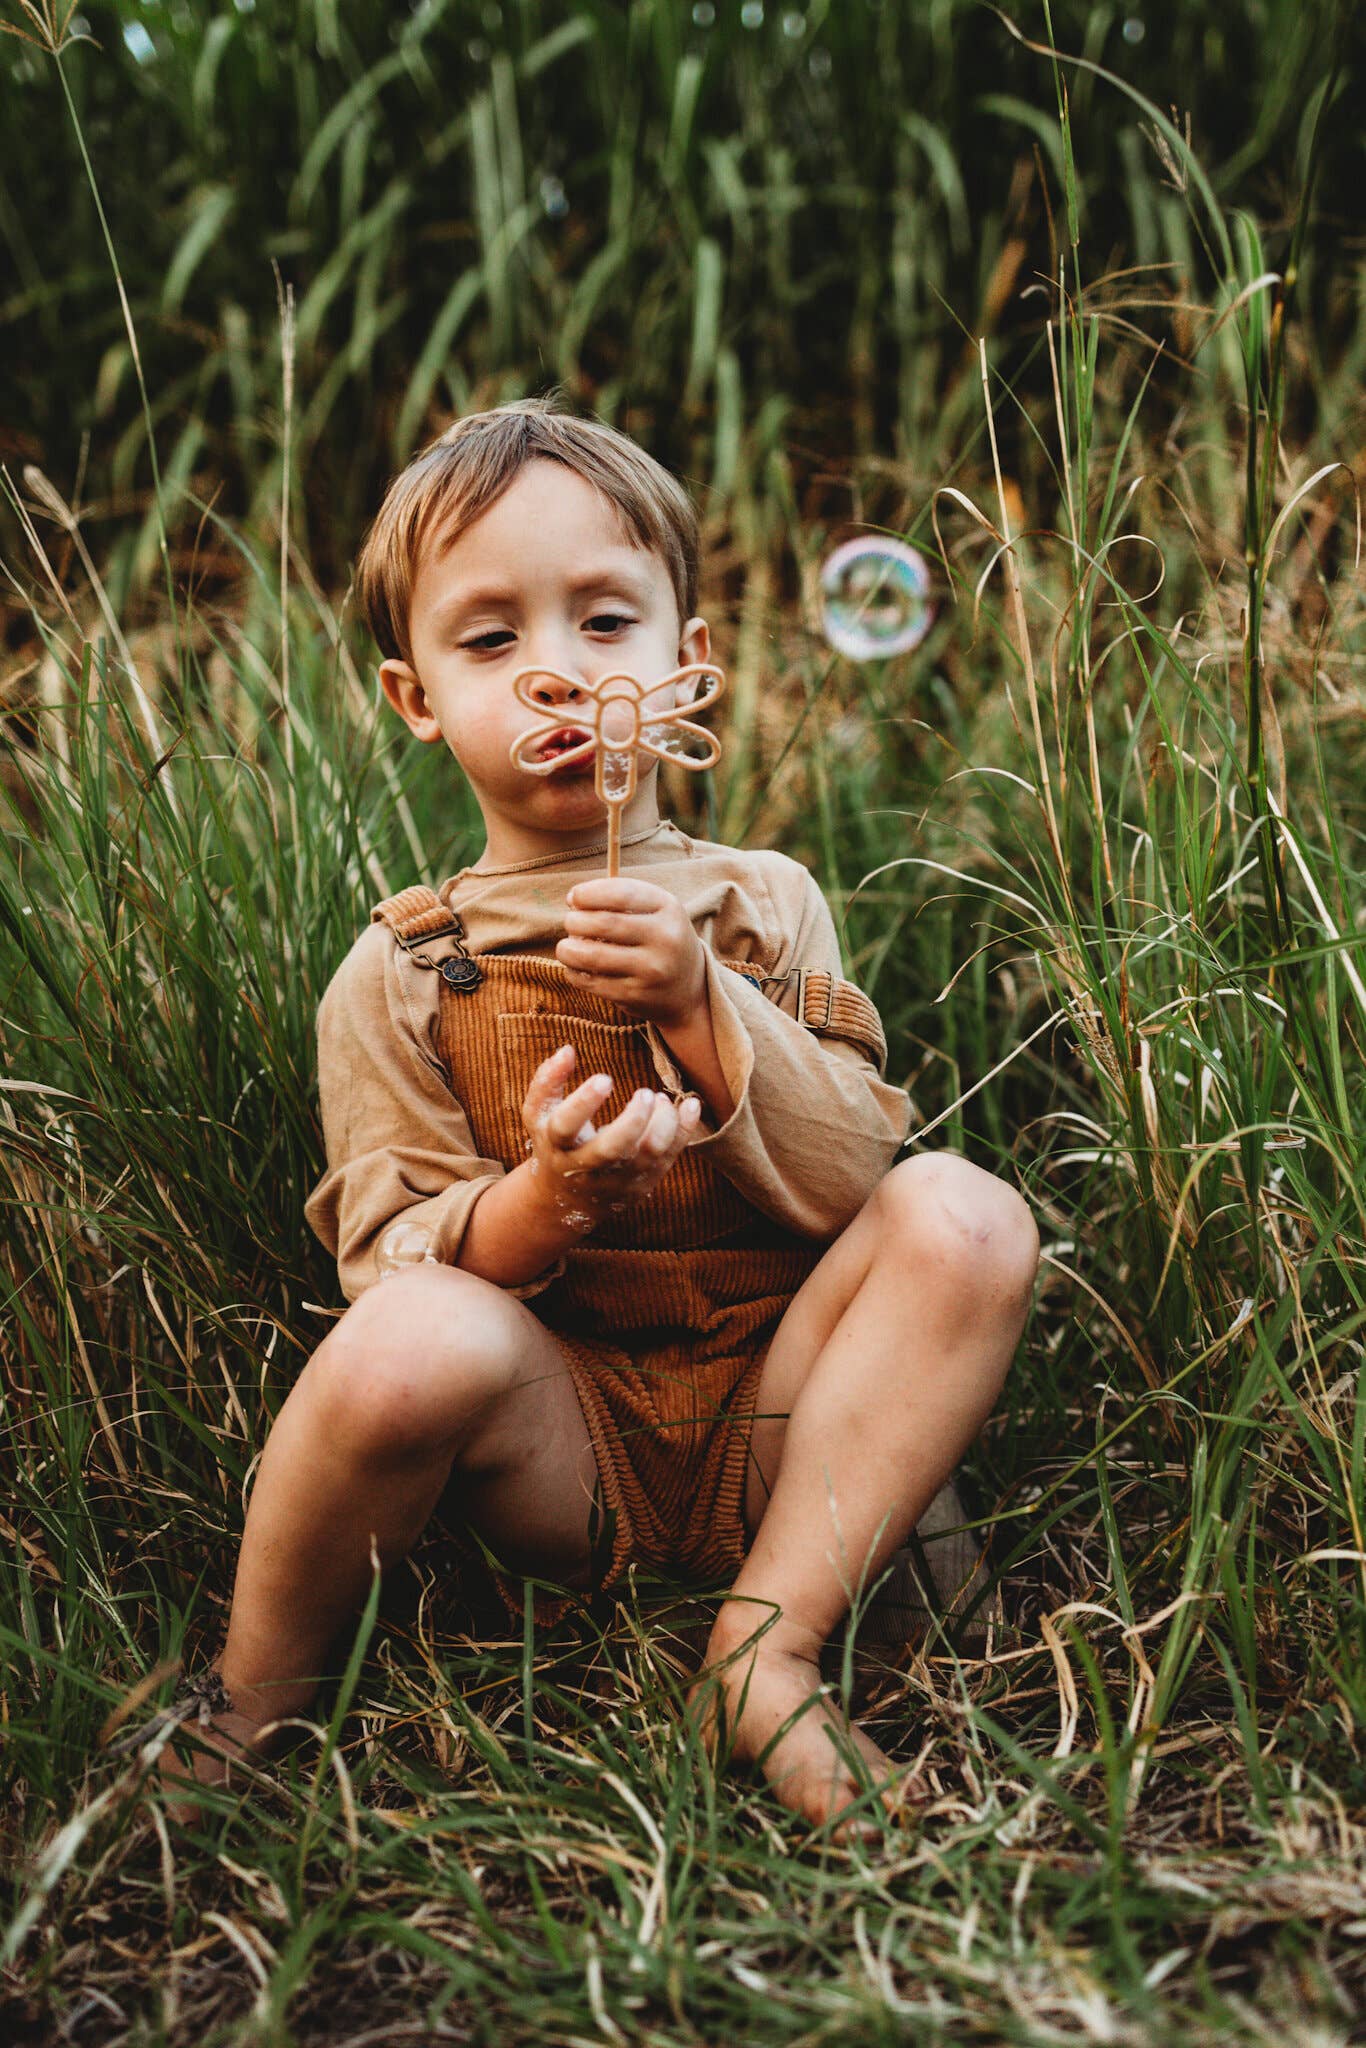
218,1757
902,1803
851,1831
181,1788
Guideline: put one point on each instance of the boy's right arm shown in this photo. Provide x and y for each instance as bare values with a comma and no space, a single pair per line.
399,1146
400,1149
513,1232
579,1171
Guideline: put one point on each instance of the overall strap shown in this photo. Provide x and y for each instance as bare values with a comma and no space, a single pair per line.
417,917
827,1005
417,913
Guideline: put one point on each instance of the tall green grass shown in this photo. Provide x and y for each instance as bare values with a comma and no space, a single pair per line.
1096,851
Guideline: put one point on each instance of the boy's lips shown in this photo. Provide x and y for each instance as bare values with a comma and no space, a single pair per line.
562,742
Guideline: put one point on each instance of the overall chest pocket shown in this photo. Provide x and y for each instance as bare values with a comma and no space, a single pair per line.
692,1204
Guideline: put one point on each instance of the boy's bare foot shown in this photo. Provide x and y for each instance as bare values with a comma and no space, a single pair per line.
746,1703
220,1754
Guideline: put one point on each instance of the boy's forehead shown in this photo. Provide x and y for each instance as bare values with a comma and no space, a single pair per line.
493,553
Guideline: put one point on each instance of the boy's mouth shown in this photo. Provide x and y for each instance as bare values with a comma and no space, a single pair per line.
562,741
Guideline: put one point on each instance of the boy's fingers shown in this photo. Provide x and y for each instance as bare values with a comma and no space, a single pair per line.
650,1133
613,927
661,1130
620,1140
547,1085
614,892
550,1078
570,1121
688,1115
598,957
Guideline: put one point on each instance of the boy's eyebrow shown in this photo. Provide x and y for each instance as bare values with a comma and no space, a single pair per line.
621,573
621,578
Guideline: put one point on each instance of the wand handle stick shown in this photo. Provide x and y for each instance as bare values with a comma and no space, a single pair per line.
613,840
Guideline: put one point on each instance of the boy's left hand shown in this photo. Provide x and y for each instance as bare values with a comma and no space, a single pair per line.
634,944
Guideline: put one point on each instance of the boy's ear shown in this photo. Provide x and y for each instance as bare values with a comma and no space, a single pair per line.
694,644
403,687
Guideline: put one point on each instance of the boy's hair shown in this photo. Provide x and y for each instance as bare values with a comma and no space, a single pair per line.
457,477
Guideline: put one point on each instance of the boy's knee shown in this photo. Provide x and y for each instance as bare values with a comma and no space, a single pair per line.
969,1225
416,1354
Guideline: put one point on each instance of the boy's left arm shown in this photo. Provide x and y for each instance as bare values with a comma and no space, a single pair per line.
814,1125
806,1123
691,1047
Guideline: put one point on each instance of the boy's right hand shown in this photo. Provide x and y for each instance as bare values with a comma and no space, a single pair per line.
586,1171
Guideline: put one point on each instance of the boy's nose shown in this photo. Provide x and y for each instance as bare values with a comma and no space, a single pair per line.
556,690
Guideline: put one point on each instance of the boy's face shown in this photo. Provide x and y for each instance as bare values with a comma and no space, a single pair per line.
545,578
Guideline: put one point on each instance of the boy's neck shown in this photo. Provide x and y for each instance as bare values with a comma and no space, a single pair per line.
509,843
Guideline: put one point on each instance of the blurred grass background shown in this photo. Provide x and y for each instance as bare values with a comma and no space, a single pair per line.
1095,847
744,233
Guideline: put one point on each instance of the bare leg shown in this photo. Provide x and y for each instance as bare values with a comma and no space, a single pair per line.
430,1370
882,1372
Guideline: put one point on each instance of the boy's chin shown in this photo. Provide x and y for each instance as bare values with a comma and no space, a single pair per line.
578,786
574,792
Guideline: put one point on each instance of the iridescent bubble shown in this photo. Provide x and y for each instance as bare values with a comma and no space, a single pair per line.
752,14
794,24
406,1244
875,599
553,198
704,14
1133,30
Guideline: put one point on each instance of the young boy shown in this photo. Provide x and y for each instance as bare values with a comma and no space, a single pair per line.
610,1181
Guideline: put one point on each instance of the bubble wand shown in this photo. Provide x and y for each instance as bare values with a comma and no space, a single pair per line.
615,733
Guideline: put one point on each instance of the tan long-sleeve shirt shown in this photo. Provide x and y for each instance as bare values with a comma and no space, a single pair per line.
814,1125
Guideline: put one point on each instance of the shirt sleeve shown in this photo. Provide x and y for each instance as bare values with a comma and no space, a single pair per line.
399,1146
814,1125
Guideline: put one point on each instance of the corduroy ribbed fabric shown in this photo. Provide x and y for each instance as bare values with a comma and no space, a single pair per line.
664,1312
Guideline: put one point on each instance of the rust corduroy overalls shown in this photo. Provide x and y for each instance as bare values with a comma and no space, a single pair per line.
665,1311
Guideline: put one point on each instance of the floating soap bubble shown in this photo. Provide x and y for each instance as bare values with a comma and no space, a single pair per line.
407,1244
875,599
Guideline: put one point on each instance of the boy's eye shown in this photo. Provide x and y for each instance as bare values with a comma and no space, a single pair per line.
609,621
485,639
